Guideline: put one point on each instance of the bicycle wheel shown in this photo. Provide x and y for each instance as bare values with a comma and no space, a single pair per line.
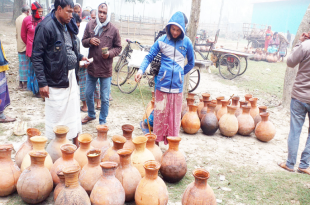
229,66
117,62
126,79
194,80
243,65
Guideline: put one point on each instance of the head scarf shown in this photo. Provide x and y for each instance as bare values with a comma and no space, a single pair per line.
34,7
77,4
99,27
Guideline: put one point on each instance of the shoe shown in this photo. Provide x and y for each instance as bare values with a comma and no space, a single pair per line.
283,166
87,119
304,171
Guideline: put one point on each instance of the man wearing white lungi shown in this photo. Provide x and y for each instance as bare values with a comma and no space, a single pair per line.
56,62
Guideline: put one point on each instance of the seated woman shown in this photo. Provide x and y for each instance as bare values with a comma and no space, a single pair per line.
274,44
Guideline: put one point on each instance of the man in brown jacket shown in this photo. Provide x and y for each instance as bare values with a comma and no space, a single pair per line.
300,106
99,34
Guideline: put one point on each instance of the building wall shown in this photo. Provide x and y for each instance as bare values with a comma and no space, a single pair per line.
281,15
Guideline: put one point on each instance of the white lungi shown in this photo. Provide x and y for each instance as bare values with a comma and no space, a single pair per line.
63,108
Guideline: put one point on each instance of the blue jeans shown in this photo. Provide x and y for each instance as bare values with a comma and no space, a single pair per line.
105,89
299,111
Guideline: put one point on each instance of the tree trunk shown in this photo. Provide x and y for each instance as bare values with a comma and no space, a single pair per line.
17,9
192,33
290,73
80,2
218,25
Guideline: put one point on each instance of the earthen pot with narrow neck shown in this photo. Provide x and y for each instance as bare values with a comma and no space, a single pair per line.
128,175
9,171
81,153
108,189
265,130
153,98
218,104
199,191
127,133
247,98
204,109
38,144
111,154
209,122
26,146
91,172
173,165
101,141
190,122
239,109
35,183
59,186
150,145
151,190
228,123
53,148
258,118
235,101
65,160
245,122
223,110
149,110
190,101
191,95
73,193
205,97
254,109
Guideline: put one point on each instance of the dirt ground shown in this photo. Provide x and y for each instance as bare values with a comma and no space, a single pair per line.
200,150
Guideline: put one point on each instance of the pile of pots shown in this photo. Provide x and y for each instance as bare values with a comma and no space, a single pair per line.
261,55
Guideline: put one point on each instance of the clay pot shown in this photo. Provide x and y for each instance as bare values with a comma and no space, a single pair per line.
111,154
9,171
204,109
150,145
35,183
265,130
91,172
53,148
223,110
228,123
209,122
26,146
173,165
149,110
127,133
38,144
254,109
235,101
247,98
245,121
205,97
190,101
190,122
218,103
199,191
200,106
151,190
108,189
59,186
258,118
191,95
239,109
65,160
153,98
73,193
101,141
81,153
128,175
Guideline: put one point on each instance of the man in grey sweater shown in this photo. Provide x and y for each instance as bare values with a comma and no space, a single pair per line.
300,105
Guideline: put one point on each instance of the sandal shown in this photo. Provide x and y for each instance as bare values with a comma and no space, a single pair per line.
87,119
304,171
83,110
283,166
7,120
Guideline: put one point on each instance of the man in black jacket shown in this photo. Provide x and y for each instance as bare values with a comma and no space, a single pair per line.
56,63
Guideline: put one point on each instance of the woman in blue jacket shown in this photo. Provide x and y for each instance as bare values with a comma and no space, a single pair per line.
175,47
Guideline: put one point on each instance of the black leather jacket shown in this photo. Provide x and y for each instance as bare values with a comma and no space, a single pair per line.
49,55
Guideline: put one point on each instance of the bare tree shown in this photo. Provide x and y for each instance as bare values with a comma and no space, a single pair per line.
17,9
290,73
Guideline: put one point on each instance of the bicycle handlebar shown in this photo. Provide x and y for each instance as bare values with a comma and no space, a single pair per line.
135,42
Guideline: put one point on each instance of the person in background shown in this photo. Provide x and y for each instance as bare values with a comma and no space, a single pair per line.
175,47
27,35
289,38
282,49
268,37
93,14
274,43
100,33
4,91
21,49
78,9
300,106
86,15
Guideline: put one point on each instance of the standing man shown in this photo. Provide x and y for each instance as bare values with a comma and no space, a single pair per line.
21,49
300,105
100,33
56,62
93,14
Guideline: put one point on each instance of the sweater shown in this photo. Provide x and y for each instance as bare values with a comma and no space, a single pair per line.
21,46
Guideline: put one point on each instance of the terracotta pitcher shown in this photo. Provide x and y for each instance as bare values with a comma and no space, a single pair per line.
101,141
190,101
59,186
204,109
173,165
258,118
191,95
149,110
223,110
73,193
245,122
190,122
199,191
81,153
265,130
151,190
218,103
209,122
150,145
200,106
38,144
26,146
254,109
127,133
111,154
108,189
239,109
141,154
228,123
53,148
235,101
247,98
91,172
128,175
153,98
65,160
35,183
9,171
